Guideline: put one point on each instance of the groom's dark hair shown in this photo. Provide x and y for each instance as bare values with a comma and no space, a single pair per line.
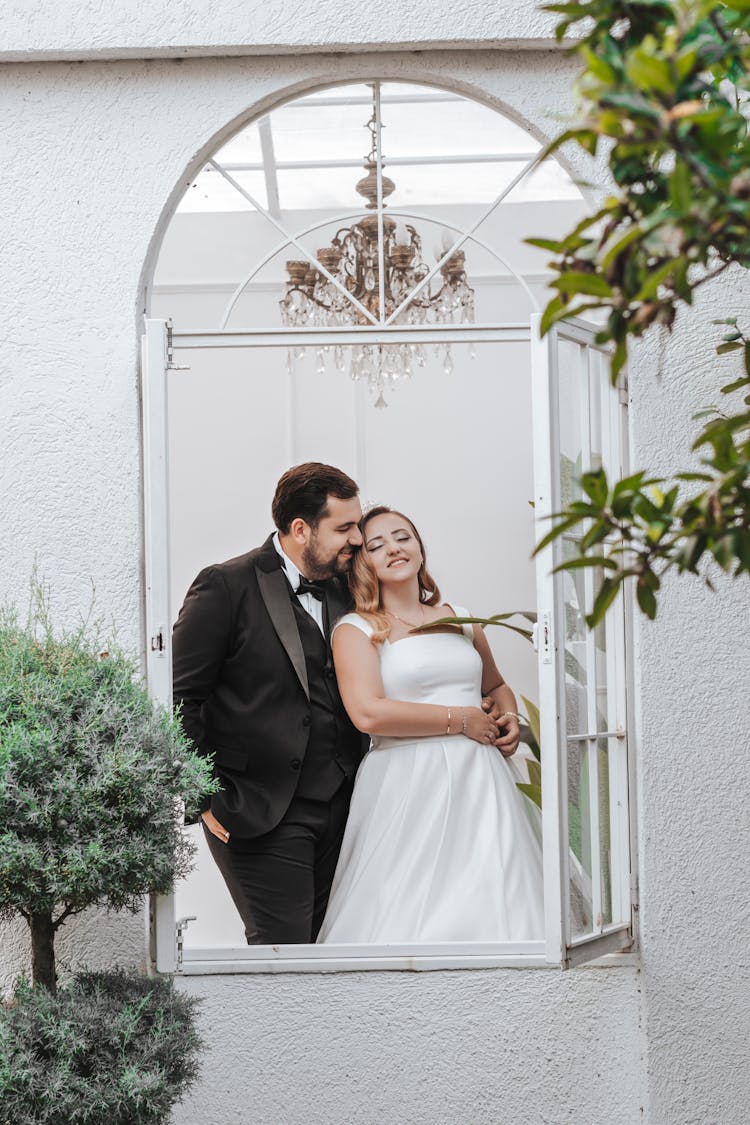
303,493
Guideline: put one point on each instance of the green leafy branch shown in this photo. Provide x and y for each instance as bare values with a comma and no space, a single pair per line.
663,91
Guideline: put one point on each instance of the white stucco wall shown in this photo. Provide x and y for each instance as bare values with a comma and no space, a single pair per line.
96,152
523,1047
694,768
184,28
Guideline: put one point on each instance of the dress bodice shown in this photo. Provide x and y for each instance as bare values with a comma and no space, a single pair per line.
438,667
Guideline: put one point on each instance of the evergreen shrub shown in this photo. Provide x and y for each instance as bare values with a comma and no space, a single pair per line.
108,1049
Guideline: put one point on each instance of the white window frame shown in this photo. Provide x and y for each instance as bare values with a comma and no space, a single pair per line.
557,949
617,936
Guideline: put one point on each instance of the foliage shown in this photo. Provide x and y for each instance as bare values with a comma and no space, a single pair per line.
108,1049
664,96
90,772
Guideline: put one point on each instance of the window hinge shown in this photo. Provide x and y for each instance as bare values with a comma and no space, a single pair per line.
171,365
623,391
157,641
180,926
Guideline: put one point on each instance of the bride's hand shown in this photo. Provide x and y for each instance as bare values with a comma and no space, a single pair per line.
479,726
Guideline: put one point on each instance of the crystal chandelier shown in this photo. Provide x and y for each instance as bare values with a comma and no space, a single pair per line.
353,258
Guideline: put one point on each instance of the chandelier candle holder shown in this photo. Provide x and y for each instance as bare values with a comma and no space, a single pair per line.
353,259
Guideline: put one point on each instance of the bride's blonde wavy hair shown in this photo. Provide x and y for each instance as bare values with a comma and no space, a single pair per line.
364,584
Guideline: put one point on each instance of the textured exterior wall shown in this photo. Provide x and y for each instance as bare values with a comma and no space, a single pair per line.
128,29
524,1047
97,152
694,770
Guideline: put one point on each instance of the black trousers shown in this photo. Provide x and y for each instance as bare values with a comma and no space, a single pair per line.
280,882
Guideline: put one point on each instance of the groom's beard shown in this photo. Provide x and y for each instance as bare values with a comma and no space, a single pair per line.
318,566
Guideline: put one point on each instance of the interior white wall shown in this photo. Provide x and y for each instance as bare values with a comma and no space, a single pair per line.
454,451
98,151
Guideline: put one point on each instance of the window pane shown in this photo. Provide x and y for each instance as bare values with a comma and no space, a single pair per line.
601,659
605,834
579,839
571,370
589,836
576,661
598,402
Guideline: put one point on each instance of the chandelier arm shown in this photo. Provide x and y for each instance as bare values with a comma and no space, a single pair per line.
480,242
310,296
464,236
303,249
268,258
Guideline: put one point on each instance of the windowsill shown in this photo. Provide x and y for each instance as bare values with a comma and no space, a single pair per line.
348,958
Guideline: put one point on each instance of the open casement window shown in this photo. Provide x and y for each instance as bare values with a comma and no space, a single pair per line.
582,673
578,420
298,270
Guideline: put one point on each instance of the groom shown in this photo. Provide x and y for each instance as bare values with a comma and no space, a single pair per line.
254,678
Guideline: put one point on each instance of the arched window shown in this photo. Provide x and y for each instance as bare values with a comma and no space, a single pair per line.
347,280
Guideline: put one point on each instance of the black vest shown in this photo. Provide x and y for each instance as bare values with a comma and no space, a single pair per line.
335,745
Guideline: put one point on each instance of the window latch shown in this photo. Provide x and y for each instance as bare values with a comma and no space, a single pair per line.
541,637
180,926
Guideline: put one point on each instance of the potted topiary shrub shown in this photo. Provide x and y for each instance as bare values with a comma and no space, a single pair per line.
91,772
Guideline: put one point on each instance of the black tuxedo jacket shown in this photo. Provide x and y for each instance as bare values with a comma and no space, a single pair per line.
240,680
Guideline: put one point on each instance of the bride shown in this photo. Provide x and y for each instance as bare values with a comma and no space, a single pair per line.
438,846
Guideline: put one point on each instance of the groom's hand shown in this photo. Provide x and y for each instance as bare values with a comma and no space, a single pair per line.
214,827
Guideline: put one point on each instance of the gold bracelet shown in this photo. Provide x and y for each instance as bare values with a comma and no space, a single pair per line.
448,729
509,715
463,723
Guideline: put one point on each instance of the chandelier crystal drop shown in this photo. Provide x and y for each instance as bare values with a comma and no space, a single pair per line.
353,258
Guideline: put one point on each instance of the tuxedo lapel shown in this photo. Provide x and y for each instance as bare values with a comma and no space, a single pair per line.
274,590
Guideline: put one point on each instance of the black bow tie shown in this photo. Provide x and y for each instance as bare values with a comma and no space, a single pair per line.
317,589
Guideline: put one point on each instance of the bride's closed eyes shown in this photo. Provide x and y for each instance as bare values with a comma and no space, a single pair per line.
375,544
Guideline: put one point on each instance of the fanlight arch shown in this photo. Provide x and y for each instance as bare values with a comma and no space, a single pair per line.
337,263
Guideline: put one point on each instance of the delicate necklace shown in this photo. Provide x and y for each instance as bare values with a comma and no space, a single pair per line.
409,623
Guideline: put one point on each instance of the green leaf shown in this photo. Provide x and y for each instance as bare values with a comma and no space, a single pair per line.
551,244
576,564
559,529
533,792
648,72
578,281
680,187
534,770
605,596
730,346
632,102
619,359
594,535
554,311
656,278
596,65
612,249
532,711
735,386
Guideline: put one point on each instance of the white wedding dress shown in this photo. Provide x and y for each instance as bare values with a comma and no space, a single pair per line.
439,846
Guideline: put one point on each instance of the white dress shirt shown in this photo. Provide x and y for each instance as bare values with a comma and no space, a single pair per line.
313,606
